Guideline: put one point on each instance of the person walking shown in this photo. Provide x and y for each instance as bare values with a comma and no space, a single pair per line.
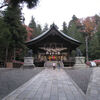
54,66
58,64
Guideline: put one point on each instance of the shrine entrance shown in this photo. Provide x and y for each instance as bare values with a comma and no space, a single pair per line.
54,58
53,52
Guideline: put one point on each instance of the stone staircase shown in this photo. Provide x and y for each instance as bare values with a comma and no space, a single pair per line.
50,63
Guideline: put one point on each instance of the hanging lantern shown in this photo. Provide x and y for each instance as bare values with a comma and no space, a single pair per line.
53,53
58,53
47,52
50,53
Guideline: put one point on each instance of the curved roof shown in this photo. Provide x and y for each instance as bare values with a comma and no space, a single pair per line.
50,32
41,35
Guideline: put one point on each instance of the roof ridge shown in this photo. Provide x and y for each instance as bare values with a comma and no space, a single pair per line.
54,26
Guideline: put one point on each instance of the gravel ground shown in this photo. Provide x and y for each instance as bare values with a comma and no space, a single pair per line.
10,79
80,76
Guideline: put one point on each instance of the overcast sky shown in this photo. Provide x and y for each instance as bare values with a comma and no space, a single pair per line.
57,11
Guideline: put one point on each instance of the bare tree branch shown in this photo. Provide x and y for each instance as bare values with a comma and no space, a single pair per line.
3,3
3,6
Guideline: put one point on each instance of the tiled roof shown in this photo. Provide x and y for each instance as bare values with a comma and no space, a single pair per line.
53,26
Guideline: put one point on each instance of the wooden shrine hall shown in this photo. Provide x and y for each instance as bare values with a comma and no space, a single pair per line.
53,45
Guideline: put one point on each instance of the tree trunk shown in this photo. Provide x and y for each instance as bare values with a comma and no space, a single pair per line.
87,57
6,53
14,53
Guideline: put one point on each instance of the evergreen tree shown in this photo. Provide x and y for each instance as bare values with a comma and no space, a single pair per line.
45,27
5,39
39,29
36,27
74,32
97,19
13,20
13,31
74,18
32,25
94,43
65,28
94,47
72,27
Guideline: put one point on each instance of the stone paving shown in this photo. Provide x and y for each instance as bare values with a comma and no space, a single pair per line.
48,85
93,91
11,79
80,76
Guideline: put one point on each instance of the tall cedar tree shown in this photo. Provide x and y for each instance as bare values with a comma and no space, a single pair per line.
45,27
13,20
39,29
72,27
94,45
36,27
32,25
65,29
5,39
74,31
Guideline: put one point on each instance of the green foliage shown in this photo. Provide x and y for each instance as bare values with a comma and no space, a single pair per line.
94,42
97,19
39,29
32,25
14,34
94,47
65,29
77,31
72,27
98,34
17,30
45,27
5,37
36,27
74,32
4,34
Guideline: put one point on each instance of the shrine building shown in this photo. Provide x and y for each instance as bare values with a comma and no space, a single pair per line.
53,45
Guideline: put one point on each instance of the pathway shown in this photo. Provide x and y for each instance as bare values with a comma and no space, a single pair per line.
48,85
93,91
